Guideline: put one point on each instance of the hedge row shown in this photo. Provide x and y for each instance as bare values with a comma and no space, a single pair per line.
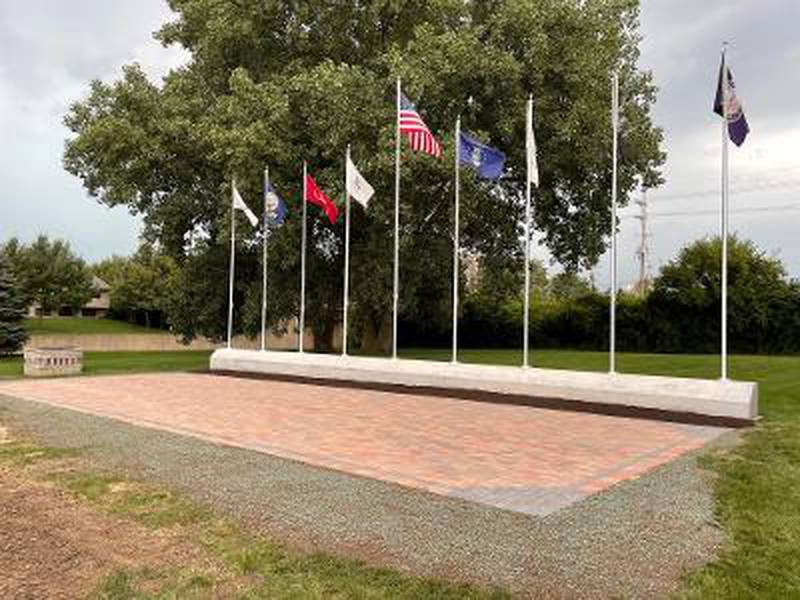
653,324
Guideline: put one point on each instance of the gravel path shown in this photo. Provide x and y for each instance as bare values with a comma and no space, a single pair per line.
634,540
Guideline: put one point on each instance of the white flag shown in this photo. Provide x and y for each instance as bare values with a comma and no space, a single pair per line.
358,187
239,204
530,142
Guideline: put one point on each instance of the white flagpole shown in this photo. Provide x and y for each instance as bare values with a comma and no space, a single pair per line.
456,240
396,284
264,266
303,265
346,254
612,365
233,265
724,220
527,303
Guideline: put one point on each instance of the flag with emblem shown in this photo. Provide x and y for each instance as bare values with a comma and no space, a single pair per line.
274,206
728,106
487,161
415,129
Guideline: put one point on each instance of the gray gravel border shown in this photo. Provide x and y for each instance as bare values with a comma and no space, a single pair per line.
634,540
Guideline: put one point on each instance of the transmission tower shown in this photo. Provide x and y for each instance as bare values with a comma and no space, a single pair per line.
643,253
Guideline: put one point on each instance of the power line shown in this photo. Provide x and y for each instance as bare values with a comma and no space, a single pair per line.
787,184
775,208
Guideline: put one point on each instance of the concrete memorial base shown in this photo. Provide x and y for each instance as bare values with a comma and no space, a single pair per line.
52,362
671,398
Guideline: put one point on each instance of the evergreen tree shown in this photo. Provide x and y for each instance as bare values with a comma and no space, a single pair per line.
12,311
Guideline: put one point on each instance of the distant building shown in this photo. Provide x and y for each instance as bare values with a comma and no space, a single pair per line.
472,270
640,288
96,308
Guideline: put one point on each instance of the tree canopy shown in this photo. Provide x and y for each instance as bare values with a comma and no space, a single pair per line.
278,82
49,273
141,285
762,300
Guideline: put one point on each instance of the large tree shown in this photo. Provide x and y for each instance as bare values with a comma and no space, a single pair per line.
49,273
276,82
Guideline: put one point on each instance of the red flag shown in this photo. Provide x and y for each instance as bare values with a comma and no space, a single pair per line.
318,197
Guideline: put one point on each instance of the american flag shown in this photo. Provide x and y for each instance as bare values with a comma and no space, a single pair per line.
419,136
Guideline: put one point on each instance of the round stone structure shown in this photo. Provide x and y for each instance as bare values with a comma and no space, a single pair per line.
51,362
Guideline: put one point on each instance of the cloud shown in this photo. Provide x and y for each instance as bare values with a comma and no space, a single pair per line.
682,41
49,51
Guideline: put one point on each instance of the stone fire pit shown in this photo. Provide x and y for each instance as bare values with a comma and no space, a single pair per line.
50,362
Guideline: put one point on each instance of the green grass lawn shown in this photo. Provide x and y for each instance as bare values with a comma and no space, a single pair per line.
76,326
757,485
106,363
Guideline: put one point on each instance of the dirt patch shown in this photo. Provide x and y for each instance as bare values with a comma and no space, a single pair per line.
55,545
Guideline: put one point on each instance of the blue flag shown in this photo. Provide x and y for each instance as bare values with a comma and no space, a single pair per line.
728,106
487,161
275,207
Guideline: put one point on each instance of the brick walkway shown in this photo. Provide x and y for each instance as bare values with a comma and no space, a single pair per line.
523,459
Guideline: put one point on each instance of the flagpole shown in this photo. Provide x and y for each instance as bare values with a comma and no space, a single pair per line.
232,266
303,265
346,254
396,282
527,303
612,366
724,220
456,240
264,267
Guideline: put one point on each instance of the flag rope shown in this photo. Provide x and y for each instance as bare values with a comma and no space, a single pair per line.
264,265
456,219
346,302
612,358
527,302
301,330
396,274
232,265
724,222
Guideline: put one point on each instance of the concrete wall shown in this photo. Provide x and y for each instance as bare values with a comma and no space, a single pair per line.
166,341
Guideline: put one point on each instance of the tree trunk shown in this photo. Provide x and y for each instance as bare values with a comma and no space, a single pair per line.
323,336
377,340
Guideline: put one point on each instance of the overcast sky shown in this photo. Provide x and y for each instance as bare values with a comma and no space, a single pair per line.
49,50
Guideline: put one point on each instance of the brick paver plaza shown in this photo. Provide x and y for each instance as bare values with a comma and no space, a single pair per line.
524,459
